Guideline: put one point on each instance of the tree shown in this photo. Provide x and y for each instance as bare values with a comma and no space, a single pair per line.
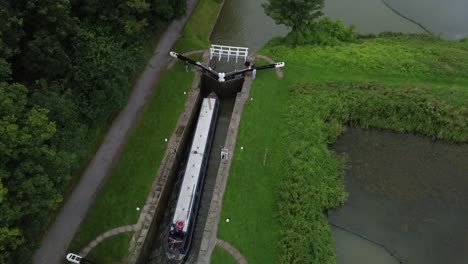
101,76
294,13
10,240
65,67
48,33
28,171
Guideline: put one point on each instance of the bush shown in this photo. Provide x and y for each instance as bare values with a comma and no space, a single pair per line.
324,31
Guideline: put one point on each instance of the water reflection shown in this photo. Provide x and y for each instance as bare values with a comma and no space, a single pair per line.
243,23
448,18
369,16
353,249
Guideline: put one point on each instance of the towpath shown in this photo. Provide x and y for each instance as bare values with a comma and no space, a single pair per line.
55,243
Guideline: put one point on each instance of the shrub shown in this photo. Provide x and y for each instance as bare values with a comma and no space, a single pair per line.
324,31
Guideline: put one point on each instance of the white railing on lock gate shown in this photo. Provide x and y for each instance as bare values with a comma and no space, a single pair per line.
221,51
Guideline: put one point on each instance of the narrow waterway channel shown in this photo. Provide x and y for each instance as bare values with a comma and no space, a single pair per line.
407,197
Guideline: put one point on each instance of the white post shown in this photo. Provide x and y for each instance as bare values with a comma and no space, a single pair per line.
73,258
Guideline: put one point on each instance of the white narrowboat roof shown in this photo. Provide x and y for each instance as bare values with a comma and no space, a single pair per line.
194,163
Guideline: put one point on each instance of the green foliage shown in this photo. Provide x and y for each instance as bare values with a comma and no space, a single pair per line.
10,240
294,13
10,30
66,68
324,31
408,109
98,56
27,168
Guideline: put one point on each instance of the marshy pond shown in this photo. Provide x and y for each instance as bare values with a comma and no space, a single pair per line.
408,200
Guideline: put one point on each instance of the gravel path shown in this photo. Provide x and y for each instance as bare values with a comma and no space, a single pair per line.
55,243
110,233
232,250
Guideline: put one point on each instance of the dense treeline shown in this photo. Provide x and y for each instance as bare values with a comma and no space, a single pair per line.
65,67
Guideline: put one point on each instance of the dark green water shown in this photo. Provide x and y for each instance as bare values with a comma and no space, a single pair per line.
406,193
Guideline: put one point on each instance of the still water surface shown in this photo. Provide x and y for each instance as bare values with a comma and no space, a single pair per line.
406,193
243,22
447,18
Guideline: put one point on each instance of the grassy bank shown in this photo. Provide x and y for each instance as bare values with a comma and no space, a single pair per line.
222,256
404,83
130,181
197,31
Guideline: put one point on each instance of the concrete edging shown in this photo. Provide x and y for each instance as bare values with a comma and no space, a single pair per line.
147,216
209,239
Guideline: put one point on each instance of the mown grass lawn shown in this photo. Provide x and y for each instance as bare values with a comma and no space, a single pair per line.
222,256
130,181
276,209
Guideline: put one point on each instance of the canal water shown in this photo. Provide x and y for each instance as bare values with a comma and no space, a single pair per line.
243,22
407,197
447,18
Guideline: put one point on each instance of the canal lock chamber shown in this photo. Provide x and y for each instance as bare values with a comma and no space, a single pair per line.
154,251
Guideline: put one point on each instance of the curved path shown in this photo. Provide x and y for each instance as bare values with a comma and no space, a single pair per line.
55,243
231,250
113,232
